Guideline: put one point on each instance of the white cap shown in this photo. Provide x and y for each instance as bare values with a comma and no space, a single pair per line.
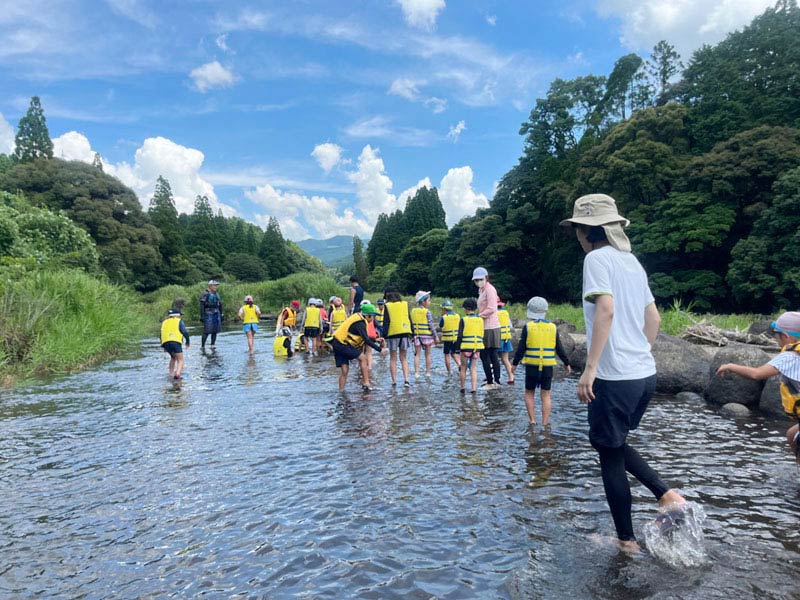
537,308
480,273
421,296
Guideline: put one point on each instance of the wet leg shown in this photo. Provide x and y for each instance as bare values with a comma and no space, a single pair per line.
530,405
545,407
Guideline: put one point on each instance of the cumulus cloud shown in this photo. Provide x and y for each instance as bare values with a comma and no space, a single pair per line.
422,14
300,216
373,185
211,75
685,23
328,155
458,198
6,136
157,156
455,131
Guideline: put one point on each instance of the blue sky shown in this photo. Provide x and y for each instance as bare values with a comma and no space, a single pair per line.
323,114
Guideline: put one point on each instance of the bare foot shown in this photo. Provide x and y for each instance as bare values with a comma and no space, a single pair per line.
670,500
629,547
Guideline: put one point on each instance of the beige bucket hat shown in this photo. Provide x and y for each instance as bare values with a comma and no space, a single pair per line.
601,210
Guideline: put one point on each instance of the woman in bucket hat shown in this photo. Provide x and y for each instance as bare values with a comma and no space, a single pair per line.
487,310
622,322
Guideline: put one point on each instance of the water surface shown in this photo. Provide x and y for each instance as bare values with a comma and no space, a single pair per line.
253,478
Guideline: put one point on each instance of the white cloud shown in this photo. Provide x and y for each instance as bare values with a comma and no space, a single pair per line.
157,156
212,75
687,24
491,20
302,216
328,155
411,192
373,185
133,10
437,105
455,131
458,198
405,88
379,127
7,135
222,42
422,14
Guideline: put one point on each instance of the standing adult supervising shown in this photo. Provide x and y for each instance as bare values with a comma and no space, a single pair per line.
211,313
487,310
622,322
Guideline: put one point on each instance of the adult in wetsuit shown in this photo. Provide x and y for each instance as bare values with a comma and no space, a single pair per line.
211,313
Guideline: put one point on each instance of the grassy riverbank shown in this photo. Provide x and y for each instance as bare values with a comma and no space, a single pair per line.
55,322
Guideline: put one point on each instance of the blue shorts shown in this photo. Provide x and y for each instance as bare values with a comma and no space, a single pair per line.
505,346
250,327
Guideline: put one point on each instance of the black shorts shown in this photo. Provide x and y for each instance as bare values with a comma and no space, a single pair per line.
450,348
172,348
535,378
618,406
311,332
344,353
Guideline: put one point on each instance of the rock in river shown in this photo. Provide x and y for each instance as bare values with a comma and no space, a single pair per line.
734,388
681,366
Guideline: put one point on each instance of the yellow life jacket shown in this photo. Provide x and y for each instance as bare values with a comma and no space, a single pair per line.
343,332
505,323
171,330
398,318
338,316
450,322
472,337
540,344
790,398
312,317
249,314
300,344
378,319
291,317
278,349
419,320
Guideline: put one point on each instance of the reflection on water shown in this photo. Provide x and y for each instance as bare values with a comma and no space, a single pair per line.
254,478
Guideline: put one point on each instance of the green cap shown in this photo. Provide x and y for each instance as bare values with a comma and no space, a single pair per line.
368,309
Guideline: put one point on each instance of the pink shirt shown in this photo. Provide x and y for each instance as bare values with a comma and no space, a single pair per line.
487,307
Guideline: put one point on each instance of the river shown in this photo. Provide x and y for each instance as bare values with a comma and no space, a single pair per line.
254,478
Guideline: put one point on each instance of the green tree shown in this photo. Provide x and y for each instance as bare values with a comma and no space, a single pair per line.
164,215
360,261
33,139
202,233
245,267
620,84
414,263
97,162
664,63
423,212
273,250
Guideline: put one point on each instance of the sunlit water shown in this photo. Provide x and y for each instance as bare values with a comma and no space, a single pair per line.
255,479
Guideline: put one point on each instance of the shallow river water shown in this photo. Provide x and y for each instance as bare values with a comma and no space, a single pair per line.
255,479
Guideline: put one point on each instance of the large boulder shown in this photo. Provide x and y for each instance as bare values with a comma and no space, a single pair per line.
681,366
734,388
567,341
760,326
770,402
733,409
577,358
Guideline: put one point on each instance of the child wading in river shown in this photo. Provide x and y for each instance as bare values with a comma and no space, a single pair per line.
173,332
448,325
249,314
470,344
786,364
537,350
424,331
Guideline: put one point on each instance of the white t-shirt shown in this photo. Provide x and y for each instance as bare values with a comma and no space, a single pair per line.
627,354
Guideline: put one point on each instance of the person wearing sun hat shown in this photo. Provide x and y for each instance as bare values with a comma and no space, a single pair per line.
786,330
349,342
424,331
619,379
249,314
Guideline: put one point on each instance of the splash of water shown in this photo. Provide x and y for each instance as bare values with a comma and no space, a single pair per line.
676,536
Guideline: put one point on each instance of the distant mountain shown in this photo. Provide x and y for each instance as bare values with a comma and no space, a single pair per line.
333,252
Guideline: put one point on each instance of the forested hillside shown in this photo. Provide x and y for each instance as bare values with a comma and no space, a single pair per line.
703,159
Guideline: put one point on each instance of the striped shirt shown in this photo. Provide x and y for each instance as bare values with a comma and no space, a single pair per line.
788,365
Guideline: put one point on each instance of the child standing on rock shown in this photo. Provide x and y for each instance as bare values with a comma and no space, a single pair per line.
787,365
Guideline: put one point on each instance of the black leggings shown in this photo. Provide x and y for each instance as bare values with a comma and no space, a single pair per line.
613,464
491,362
205,337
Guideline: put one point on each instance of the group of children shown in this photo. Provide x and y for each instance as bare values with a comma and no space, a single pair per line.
390,323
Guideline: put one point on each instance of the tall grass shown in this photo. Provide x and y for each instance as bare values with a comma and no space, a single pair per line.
270,296
59,321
